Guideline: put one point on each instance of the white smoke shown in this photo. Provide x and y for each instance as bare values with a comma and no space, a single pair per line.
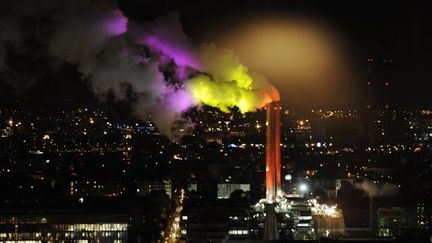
108,60
116,55
376,189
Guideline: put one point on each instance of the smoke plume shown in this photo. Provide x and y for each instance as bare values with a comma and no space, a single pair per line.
374,189
167,73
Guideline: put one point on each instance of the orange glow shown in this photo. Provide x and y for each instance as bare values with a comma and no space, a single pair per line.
308,61
273,160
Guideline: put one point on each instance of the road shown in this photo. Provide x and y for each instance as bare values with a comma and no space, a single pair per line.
173,231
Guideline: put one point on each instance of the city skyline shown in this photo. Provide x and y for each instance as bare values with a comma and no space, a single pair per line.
246,121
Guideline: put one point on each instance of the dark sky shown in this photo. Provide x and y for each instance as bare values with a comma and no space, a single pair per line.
401,30
379,29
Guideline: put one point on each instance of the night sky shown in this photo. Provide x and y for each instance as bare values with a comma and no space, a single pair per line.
400,30
378,29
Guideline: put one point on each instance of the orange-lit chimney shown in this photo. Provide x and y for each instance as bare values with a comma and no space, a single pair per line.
273,158
273,169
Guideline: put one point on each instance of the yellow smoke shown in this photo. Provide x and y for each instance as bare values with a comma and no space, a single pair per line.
228,83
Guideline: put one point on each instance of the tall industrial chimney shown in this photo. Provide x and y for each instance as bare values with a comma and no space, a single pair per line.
273,169
273,159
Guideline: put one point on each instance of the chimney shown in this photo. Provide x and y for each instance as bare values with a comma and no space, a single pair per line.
273,169
273,158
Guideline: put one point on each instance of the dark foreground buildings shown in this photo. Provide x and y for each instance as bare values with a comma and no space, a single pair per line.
56,219
80,176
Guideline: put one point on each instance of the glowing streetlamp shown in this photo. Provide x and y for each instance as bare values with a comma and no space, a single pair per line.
303,188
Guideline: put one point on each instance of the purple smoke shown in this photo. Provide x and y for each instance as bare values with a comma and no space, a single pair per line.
179,54
116,23
181,100
154,60
181,72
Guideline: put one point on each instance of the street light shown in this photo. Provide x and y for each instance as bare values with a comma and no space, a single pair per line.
303,188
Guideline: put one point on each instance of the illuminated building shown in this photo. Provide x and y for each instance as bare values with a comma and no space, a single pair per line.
6,132
389,219
302,220
328,221
225,219
422,217
302,132
224,190
64,228
145,187
106,188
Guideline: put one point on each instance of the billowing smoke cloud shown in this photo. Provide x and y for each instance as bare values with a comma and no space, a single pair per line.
166,72
230,84
374,189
